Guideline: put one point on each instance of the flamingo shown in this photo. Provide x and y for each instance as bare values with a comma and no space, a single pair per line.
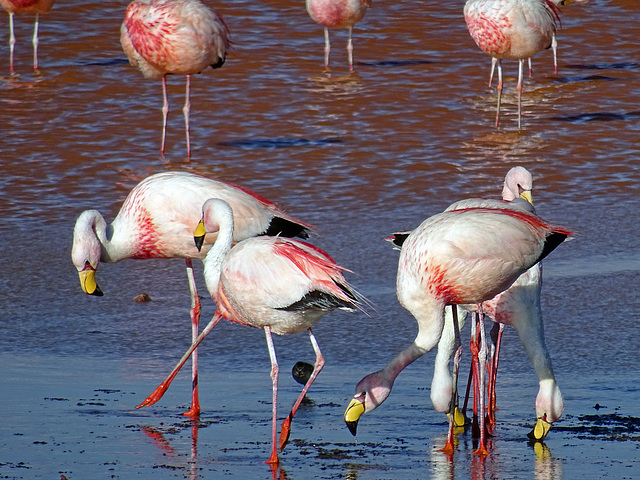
337,14
25,6
157,221
513,30
180,37
279,285
465,255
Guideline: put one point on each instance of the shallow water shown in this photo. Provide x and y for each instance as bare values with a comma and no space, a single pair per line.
357,155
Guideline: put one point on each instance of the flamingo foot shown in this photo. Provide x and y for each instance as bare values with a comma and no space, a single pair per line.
285,432
194,411
273,460
481,450
448,448
155,396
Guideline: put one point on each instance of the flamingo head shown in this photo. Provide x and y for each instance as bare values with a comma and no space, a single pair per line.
87,250
518,183
549,408
371,391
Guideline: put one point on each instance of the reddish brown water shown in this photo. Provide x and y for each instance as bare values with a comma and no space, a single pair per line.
358,155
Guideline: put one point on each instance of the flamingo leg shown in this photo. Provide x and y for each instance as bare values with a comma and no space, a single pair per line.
35,43
185,110
519,89
554,47
350,50
12,42
494,60
482,358
474,347
496,331
499,91
274,379
530,68
327,47
448,448
162,388
165,112
285,431
195,320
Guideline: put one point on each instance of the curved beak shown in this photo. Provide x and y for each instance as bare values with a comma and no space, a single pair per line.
88,281
526,194
199,234
540,430
352,415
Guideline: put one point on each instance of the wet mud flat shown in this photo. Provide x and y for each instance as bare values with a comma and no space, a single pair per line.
82,424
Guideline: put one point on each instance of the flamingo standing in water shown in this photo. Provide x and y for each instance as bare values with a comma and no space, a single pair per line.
279,285
460,256
180,37
25,6
337,14
157,221
513,30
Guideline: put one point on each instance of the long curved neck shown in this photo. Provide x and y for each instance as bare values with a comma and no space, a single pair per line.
216,255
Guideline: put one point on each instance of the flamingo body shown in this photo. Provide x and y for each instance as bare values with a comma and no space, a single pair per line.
279,285
180,37
337,14
36,7
465,255
157,220
513,30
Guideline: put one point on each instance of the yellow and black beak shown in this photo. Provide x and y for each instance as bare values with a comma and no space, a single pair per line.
526,195
540,430
88,281
199,234
352,415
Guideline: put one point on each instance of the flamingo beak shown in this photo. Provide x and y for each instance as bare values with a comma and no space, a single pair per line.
352,415
88,281
199,234
526,194
540,430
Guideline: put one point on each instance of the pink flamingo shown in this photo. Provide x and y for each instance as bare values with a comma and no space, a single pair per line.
460,256
25,6
513,30
157,221
337,14
279,285
180,37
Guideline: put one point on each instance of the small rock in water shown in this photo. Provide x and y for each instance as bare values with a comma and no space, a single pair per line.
142,298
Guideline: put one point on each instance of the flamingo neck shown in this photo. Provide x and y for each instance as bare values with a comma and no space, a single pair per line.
218,252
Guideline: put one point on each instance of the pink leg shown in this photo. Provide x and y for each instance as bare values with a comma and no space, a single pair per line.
475,382
499,91
317,367
165,112
494,60
519,89
554,47
162,388
186,110
482,358
35,43
493,373
350,50
195,320
327,47
274,379
12,42
530,68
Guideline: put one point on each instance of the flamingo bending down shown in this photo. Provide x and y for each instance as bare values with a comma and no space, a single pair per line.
25,6
513,30
337,14
461,256
279,285
180,37
157,221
